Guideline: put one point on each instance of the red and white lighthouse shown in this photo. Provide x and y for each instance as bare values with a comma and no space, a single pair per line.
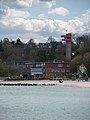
68,39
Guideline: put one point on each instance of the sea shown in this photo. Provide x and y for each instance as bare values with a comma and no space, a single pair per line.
44,103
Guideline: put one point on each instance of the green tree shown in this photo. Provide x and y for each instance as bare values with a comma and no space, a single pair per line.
86,59
7,49
19,43
76,62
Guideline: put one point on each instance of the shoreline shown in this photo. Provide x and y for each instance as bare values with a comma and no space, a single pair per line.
69,83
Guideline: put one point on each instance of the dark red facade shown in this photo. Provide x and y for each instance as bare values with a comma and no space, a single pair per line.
57,69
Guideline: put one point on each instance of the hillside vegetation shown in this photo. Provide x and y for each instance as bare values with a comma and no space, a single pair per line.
12,52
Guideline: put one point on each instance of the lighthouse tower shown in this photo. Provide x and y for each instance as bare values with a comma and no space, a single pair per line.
68,39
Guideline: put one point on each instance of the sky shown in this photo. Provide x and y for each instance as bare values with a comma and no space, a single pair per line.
39,19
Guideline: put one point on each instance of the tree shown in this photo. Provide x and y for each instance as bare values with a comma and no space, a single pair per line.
41,55
7,49
76,62
19,43
1,48
51,39
86,58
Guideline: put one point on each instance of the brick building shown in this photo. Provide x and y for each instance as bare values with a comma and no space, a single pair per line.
57,69
48,69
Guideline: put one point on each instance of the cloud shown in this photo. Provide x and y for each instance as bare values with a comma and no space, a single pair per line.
59,11
8,8
48,4
86,20
12,13
75,25
16,22
20,4
24,3
11,17
3,11
16,3
80,24
42,16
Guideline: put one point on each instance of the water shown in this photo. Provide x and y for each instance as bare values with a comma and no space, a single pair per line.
44,103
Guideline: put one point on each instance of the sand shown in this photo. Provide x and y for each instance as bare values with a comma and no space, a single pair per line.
69,83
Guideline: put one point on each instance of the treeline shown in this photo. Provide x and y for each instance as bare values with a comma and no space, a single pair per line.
82,53
17,51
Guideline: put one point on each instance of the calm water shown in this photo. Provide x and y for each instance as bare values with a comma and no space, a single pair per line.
44,103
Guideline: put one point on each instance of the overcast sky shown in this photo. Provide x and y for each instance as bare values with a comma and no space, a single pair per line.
39,19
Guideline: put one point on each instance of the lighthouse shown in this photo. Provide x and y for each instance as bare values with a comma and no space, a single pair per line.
68,39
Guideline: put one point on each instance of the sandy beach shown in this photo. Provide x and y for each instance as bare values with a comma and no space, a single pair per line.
69,83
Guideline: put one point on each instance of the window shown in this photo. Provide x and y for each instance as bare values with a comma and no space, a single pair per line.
68,65
67,70
60,65
63,70
38,65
